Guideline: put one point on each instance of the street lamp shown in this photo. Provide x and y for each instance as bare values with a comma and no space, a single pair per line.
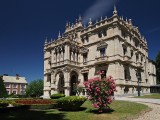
138,77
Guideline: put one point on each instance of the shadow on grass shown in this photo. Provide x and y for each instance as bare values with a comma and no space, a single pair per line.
95,111
33,115
80,109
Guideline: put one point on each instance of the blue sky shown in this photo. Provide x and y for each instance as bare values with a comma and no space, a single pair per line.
24,25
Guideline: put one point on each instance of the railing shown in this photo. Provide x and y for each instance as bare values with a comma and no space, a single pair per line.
101,59
59,63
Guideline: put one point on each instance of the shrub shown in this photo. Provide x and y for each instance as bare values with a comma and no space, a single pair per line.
56,96
34,101
100,91
3,104
71,102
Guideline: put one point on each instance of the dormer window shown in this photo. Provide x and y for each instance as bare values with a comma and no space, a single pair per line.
102,33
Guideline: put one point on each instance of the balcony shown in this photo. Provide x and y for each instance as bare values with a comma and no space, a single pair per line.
101,59
61,63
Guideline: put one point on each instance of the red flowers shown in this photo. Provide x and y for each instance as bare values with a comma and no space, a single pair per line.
100,91
34,101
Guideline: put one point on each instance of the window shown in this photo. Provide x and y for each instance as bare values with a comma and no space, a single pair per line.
14,85
123,34
127,73
84,57
6,85
102,33
22,86
22,92
8,92
142,59
137,58
85,76
131,53
124,50
102,52
14,92
49,78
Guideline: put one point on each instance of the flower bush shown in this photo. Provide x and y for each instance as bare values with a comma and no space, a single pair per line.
100,91
71,102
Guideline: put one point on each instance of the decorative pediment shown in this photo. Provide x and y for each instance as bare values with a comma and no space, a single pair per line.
101,44
84,50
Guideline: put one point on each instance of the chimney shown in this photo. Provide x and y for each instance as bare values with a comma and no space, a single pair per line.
17,76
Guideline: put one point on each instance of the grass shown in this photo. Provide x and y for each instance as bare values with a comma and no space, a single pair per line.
121,111
152,96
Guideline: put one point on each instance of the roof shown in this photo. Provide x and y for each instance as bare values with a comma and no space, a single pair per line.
13,79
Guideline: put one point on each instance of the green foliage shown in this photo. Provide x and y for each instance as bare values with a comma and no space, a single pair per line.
3,104
35,88
3,92
158,67
56,96
42,107
71,102
16,96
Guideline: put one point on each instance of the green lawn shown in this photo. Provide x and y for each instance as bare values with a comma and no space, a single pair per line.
153,96
121,111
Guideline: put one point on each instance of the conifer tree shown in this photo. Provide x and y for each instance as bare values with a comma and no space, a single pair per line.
3,92
158,67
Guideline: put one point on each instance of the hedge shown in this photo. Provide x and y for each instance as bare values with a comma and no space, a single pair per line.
70,102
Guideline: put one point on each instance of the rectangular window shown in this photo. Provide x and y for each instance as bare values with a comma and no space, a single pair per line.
127,73
14,92
85,75
14,85
22,86
49,78
84,58
7,85
102,52
124,50
8,92
131,53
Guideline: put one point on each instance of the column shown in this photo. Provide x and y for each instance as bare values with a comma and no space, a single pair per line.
53,83
67,83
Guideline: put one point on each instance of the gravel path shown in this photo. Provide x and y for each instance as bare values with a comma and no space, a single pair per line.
154,114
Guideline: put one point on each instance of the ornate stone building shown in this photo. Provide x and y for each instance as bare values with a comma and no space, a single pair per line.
112,44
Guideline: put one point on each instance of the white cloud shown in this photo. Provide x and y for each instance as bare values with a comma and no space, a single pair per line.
98,9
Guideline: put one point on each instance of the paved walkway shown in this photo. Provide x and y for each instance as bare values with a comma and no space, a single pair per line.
154,114
144,100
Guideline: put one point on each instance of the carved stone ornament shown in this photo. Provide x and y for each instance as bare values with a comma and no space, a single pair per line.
84,50
102,44
66,69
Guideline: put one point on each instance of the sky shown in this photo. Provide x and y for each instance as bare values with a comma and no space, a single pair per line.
24,25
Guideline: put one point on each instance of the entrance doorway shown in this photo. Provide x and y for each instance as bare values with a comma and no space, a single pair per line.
61,84
73,83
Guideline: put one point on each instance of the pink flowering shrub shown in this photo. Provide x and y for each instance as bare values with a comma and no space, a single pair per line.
100,91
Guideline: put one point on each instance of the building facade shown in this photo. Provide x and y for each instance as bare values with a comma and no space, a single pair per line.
15,84
112,44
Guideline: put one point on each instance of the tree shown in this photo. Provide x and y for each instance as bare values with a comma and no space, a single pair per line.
3,92
158,67
35,88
